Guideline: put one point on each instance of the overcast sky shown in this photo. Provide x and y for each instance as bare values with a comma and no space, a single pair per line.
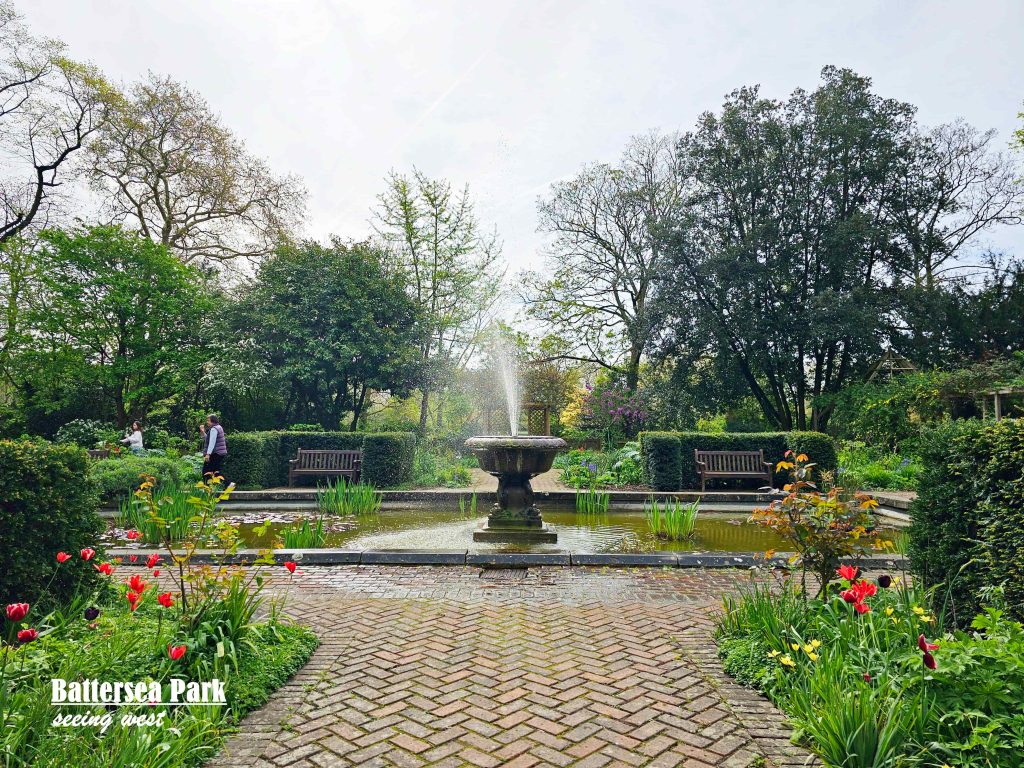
509,96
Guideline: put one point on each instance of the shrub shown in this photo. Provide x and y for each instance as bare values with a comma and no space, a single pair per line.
387,458
253,459
305,428
47,504
87,433
120,476
668,456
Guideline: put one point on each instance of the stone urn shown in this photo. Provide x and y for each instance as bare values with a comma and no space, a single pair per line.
514,518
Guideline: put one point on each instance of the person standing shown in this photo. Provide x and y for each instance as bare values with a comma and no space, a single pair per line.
134,440
216,447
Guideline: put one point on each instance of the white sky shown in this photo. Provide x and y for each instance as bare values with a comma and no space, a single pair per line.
509,96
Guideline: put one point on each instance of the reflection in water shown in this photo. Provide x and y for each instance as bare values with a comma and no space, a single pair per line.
618,531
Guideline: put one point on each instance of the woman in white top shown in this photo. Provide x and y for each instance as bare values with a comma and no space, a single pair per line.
134,440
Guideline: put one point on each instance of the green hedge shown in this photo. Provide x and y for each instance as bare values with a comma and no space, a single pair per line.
47,505
260,459
668,456
967,529
120,475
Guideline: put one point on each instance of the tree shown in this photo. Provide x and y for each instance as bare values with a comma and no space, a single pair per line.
49,105
785,243
18,280
331,326
451,264
168,166
607,255
118,312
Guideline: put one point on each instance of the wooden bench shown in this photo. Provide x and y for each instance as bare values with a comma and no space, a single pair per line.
347,464
731,464
99,453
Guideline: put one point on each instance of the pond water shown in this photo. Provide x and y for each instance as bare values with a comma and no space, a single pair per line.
617,531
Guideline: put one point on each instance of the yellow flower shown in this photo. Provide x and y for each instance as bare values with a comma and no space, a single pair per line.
772,654
918,610
868,504
816,644
802,457
888,611
787,661
895,620
795,646
808,648
812,656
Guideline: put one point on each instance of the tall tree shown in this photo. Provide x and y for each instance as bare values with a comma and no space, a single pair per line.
169,167
117,311
49,105
331,326
607,255
452,265
785,243
19,279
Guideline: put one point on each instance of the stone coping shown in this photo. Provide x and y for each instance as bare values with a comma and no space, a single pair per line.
454,494
317,557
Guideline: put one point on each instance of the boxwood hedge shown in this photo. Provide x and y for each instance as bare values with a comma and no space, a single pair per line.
668,456
260,459
47,505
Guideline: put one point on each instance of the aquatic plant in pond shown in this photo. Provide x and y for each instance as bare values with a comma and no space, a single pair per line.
592,501
343,498
306,534
467,510
170,521
671,519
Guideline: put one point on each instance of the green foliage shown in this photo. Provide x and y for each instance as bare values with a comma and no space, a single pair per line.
343,498
867,468
387,458
668,456
47,504
119,476
277,652
304,534
671,519
87,433
435,464
260,459
967,529
175,514
592,501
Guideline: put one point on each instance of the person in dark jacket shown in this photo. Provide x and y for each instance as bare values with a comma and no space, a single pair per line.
215,447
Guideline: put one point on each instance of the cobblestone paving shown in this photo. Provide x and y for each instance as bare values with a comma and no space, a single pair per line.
524,668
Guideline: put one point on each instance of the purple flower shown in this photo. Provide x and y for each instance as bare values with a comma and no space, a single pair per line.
592,467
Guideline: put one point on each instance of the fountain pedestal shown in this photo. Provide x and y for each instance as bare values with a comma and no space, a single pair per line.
514,518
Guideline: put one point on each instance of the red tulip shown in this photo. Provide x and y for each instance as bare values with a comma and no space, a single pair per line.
137,584
132,534
290,566
175,652
165,600
925,646
105,568
929,660
156,572
17,611
867,678
862,608
848,595
153,560
848,572
88,554
133,599
27,635
133,558
63,557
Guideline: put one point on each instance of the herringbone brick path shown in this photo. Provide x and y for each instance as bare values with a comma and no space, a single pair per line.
546,667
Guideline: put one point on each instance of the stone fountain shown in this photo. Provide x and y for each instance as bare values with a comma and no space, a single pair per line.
514,459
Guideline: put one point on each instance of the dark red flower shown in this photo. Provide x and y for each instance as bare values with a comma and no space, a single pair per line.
929,660
848,595
63,557
88,554
175,652
884,581
867,678
925,646
17,611
290,566
90,614
27,635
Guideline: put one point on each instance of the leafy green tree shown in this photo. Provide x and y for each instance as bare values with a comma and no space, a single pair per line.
117,313
330,326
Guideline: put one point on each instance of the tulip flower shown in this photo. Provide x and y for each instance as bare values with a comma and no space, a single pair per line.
133,599
867,678
27,635
133,558
90,614
290,566
137,584
132,534
153,560
175,652
17,611
156,572
924,645
165,600
862,608
63,557
928,660
884,581
848,572
88,554
105,568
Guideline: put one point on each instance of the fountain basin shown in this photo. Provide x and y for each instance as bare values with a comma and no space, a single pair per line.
515,518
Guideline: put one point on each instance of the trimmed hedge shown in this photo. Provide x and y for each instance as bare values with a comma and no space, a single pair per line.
668,456
967,529
47,505
120,475
260,459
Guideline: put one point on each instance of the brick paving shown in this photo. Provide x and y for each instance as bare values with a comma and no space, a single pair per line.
453,667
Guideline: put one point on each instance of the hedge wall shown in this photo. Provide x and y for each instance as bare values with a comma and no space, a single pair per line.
47,505
260,459
967,529
668,456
